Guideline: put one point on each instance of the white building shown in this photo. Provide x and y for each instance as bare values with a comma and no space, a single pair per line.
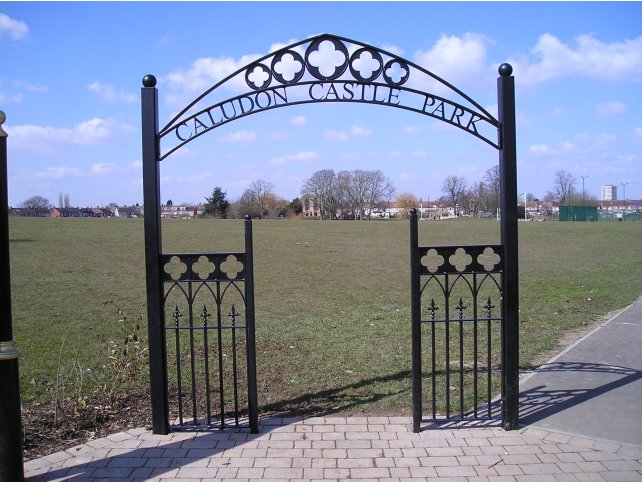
609,192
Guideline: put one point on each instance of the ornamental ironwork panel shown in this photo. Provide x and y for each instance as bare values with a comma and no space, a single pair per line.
328,68
204,309
460,319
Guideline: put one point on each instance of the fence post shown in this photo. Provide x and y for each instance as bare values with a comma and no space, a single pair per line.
252,398
510,288
415,315
153,246
11,467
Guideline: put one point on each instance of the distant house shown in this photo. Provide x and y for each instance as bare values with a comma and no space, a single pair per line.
130,211
65,213
31,212
179,211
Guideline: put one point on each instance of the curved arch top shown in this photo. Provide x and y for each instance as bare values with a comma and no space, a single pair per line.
328,68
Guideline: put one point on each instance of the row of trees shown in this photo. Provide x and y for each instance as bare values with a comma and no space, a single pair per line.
565,192
347,194
478,199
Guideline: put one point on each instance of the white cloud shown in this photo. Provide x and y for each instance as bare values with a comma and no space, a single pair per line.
47,139
393,49
59,172
558,112
541,150
203,73
335,135
637,132
14,29
111,94
103,168
355,131
411,130
279,135
238,137
588,57
299,121
11,91
304,156
606,109
10,98
457,59
419,154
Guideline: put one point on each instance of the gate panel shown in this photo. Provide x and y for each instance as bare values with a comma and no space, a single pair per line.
457,330
209,330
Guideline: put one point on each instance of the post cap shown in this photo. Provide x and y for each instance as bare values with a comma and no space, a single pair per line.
149,81
505,70
3,117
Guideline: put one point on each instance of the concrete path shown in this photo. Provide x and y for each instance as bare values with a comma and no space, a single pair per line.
580,416
593,388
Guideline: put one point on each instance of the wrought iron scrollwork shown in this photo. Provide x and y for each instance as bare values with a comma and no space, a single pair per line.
327,58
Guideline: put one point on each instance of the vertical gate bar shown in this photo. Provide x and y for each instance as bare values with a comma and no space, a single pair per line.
191,340
415,314
508,200
208,400
219,338
250,328
447,328
234,368
461,360
489,360
179,380
475,351
433,375
154,284
11,465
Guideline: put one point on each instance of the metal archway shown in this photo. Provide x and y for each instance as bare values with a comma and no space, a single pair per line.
299,74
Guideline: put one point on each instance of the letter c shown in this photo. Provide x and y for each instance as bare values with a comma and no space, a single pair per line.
310,91
178,134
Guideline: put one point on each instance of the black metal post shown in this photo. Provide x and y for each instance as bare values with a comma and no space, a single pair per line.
252,399
11,467
415,315
153,246
510,279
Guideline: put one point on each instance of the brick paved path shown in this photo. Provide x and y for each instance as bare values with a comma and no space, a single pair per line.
338,448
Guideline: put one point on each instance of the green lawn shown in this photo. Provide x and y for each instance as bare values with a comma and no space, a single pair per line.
332,298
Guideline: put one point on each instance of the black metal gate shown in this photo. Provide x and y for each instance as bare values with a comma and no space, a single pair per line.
457,328
208,308
465,302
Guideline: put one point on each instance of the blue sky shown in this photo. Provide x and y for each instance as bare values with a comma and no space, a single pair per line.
71,76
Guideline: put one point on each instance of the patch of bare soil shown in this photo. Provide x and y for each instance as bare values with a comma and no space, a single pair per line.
46,432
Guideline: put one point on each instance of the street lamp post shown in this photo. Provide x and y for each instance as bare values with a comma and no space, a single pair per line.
623,184
583,197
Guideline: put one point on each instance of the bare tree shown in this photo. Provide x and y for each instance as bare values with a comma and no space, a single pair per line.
247,204
261,189
354,187
36,202
379,192
322,186
453,187
563,186
407,201
492,180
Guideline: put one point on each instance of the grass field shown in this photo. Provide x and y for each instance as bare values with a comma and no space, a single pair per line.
332,298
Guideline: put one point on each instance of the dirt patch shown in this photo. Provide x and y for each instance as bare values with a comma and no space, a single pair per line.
45,432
